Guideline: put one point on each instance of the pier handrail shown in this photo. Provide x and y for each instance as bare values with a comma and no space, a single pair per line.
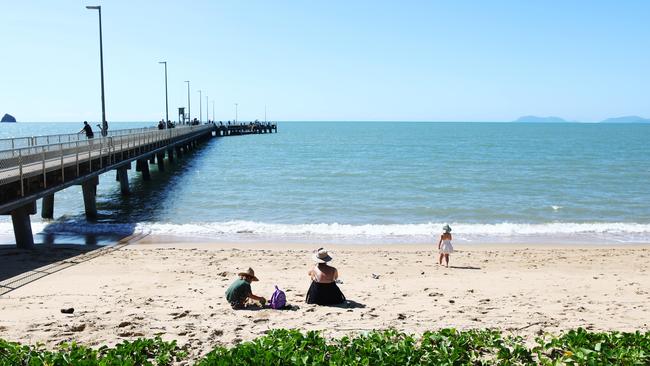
30,141
74,137
33,160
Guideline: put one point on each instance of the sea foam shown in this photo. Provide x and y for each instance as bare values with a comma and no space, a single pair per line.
366,234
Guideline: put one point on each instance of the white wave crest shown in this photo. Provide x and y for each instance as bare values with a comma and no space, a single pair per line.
234,230
394,230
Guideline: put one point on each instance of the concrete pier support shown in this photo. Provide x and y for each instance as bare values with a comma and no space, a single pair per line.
123,177
170,155
152,159
161,161
143,168
47,211
23,226
89,189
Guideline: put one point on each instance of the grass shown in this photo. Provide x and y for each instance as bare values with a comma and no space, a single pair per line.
389,347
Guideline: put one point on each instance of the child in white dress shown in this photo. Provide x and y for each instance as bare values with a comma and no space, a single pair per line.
444,245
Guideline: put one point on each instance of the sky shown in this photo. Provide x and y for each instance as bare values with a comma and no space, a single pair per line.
327,60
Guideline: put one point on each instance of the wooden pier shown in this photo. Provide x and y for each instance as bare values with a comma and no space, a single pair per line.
32,168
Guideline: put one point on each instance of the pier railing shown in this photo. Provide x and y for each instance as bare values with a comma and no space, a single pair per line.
30,141
20,163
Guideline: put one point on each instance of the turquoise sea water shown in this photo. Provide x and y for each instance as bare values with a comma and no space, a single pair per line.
367,182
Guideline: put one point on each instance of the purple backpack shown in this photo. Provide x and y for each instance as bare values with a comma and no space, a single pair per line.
278,299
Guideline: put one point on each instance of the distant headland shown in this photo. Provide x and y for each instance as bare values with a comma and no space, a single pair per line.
8,118
536,119
624,119
627,119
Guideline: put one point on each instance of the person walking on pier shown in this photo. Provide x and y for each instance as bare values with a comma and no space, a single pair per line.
88,130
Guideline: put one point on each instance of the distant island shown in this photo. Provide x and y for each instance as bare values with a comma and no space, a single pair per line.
627,119
8,118
535,119
624,119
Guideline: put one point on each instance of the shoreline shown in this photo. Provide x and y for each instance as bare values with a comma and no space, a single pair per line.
168,240
177,290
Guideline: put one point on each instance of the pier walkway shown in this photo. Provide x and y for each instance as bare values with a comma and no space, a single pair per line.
32,168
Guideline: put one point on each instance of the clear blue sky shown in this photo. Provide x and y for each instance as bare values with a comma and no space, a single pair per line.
328,60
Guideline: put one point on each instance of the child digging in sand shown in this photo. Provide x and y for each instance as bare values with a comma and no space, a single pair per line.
240,290
444,245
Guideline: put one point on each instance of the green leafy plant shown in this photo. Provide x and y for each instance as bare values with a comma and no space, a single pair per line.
145,352
388,347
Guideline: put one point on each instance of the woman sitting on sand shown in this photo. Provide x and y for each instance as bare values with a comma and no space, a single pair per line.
240,291
444,245
323,289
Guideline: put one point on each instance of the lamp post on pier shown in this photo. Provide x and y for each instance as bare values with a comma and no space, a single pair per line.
166,100
213,111
207,115
200,108
236,107
101,68
188,99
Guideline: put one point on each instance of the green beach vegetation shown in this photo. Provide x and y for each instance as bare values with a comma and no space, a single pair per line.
388,347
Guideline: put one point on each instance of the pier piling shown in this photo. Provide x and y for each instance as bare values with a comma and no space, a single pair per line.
143,168
47,211
123,177
89,189
161,161
23,226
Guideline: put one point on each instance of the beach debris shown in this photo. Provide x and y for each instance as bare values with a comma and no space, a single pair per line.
78,328
216,333
67,310
452,301
434,294
131,334
124,324
401,316
375,276
181,315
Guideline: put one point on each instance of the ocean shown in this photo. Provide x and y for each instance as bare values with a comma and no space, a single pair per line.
377,182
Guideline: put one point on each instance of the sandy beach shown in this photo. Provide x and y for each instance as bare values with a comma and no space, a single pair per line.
177,290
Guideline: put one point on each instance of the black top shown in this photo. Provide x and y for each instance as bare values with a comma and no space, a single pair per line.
89,131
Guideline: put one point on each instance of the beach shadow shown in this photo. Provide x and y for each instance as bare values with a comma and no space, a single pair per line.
464,267
288,307
350,304
19,267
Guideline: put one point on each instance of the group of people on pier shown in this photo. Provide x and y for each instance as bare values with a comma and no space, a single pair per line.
162,125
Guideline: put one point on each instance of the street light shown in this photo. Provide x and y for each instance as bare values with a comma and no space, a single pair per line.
188,100
101,68
166,100
200,108
213,111
206,109
236,105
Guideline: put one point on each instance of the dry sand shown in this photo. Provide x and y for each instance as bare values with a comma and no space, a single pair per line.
177,290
